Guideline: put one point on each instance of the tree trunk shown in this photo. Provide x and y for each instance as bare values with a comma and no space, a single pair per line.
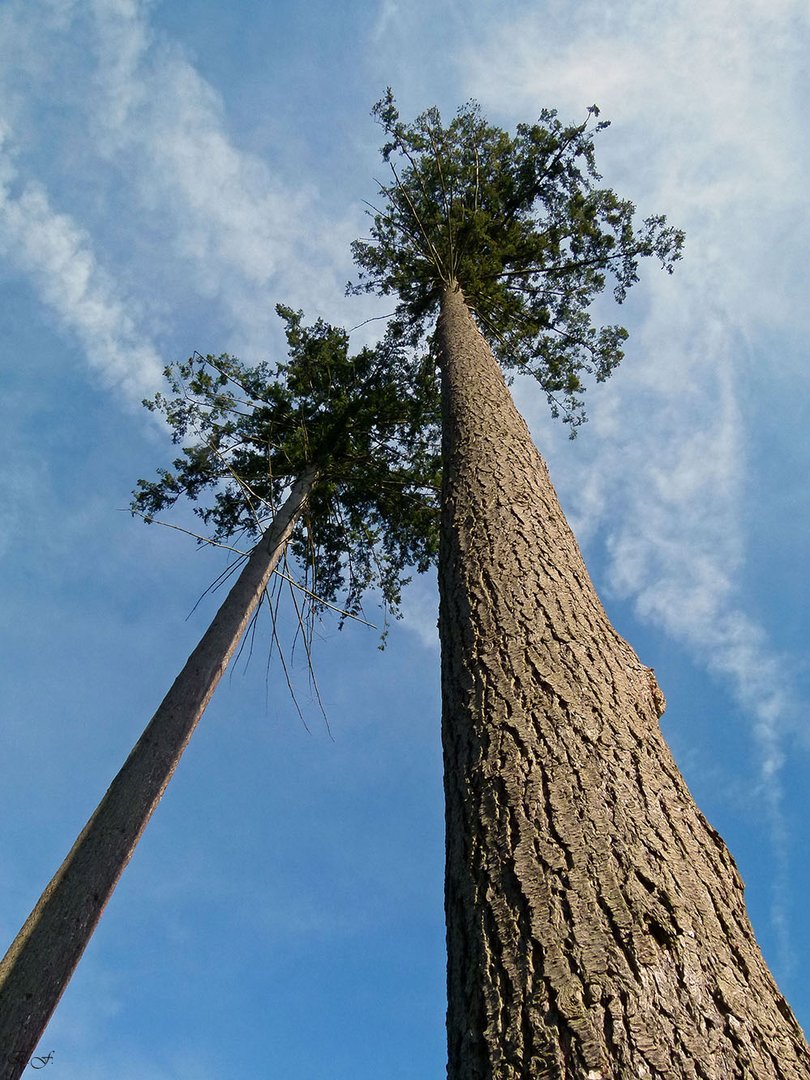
44,955
596,926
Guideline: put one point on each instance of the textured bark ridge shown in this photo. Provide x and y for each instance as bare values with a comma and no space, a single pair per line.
596,922
43,956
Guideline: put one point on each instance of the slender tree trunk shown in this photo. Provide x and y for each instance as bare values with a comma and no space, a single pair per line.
595,921
41,960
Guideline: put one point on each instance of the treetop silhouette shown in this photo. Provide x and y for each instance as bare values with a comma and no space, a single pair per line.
368,425
522,225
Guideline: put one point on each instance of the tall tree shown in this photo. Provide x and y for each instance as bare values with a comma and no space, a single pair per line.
595,921
353,446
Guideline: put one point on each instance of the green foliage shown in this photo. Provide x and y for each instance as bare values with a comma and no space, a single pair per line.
364,420
520,223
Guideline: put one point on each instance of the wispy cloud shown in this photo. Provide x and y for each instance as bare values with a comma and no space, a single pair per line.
386,16
153,109
57,255
245,236
148,142
420,609
706,102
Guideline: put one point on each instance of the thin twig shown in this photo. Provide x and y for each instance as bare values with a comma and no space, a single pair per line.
437,261
375,318
284,667
179,528
320,600
308,650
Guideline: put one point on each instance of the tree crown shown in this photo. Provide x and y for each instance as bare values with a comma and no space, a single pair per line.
522,225
362,420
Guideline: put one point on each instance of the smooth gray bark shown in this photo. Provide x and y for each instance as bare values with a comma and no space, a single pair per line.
596,926
45,953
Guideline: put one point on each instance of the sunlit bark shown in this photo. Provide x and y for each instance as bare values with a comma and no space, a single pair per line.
596,926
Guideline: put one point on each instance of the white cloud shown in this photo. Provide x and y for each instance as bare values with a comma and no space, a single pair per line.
146,155
420,609
387,15
706,101
154,108
241,234
57,255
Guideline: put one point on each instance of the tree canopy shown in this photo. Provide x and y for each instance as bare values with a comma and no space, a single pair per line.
366,421
522,224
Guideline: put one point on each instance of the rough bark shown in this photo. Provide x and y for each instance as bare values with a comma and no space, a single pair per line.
42,958
596,926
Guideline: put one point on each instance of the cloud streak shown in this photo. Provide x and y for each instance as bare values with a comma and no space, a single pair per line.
243,235
57,255
147,140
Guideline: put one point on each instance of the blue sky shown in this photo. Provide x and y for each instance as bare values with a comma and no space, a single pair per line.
168,172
